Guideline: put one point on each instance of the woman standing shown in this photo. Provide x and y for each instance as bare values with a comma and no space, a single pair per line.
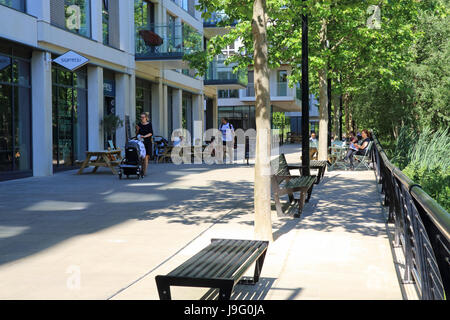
144,130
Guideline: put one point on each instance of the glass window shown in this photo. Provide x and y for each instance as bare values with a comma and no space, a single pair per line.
69,116
5,69
15,114
15,4
6,140
282,83
73,15
105,21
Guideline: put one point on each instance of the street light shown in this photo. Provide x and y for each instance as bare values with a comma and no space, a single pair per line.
305,97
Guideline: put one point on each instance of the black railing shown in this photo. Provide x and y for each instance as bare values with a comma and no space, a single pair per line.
422,229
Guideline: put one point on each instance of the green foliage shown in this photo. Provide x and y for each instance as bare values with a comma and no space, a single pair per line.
111,123
435,181
423,157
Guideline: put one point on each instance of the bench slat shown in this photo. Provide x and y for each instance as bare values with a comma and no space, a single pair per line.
229,269
203,255
232,261
235,249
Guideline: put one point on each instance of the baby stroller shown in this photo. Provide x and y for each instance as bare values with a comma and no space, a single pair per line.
132,163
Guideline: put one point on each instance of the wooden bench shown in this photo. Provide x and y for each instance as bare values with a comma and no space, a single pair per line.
284,183
320,165
219,266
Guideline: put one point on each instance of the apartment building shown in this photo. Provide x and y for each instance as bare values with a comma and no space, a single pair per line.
50,115
237,103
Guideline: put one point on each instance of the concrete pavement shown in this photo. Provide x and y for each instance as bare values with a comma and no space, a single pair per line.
98,237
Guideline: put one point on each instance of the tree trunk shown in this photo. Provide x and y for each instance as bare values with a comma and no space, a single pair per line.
323,99
347,114
263,221
337,119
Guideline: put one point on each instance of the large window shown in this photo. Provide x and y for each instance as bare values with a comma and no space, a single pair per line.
69,116
143,98
241,117
228,94
15,4
15,111
110,23
73,15
282,83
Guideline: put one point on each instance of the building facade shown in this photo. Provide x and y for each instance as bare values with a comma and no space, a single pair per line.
49,115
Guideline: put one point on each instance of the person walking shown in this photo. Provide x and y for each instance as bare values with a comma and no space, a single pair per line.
144,130
227,130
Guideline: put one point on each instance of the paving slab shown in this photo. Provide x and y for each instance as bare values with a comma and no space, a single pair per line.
94,236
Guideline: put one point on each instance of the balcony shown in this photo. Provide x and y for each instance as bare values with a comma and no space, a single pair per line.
216,24
165,45
281,96
222,76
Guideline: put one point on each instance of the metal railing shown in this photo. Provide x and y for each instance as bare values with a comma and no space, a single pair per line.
422,229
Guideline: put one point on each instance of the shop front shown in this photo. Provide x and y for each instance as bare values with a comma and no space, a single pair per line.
70,136
15,112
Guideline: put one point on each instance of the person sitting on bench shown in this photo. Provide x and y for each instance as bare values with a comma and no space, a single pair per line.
356,149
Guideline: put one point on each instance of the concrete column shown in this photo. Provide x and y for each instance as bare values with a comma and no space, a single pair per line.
215,113
177,108
39,9
157,112
122,101
132,103
96,20
197,116
41,95
165,112
95,108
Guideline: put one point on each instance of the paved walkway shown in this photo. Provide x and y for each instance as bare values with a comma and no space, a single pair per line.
98,237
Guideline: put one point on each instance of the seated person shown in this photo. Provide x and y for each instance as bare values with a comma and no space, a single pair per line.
356,149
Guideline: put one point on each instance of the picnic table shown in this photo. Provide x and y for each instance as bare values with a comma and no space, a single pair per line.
104,158
337,155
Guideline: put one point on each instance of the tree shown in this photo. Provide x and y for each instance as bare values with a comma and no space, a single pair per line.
252,30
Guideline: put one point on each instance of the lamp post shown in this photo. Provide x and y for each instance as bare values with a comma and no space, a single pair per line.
305,97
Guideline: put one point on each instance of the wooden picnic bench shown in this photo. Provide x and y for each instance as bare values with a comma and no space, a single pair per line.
219,266
284,183
106,158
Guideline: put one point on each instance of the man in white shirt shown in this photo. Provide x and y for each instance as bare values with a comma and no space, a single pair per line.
228,137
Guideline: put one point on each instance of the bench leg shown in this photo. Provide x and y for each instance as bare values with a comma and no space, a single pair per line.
309,194
278,204
258,267
163,288
301,203
225,291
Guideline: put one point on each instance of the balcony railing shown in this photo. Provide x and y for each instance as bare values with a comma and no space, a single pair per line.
219,74
159,42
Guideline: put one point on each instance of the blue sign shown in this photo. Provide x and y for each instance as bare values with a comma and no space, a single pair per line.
109,88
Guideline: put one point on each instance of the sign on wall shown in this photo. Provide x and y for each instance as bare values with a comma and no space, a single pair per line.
71,60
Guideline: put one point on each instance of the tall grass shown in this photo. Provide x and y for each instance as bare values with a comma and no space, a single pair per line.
425,158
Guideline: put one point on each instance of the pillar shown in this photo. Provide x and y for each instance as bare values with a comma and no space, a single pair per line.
95,108
41,95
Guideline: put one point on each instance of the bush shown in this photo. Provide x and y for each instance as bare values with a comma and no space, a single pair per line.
434,181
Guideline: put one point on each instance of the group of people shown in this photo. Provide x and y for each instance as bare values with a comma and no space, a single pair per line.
358,144
144,133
